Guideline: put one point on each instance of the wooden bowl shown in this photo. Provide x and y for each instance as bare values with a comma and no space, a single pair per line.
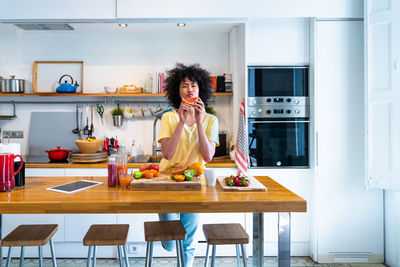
88,147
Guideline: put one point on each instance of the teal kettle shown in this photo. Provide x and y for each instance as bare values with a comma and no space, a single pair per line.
67,87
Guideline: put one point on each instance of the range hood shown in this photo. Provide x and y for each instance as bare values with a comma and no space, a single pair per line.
44,26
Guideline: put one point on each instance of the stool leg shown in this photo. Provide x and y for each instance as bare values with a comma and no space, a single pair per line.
178,262
119,256
89,256
237,255
214,251
94,256
244,255
181,253
53,255
151,254
206,260
40,256
8,257
21,261
146,262
126,257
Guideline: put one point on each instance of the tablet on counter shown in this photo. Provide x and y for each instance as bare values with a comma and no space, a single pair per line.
74,186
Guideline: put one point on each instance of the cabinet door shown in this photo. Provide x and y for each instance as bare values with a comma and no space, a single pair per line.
382,89
342,204
40,172
86,172
48,9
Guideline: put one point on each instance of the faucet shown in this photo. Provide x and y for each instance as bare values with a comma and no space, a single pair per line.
156,146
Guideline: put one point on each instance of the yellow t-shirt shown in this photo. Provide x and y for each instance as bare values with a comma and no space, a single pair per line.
188,150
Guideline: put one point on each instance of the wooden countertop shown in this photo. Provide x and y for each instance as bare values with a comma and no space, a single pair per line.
215,163
33,198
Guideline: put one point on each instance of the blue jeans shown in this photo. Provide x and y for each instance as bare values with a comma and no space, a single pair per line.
190,221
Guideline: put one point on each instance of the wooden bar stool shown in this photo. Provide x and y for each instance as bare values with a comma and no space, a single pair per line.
28,235
107,235
164,231
226,234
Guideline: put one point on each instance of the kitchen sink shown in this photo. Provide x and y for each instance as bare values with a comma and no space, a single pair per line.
145,159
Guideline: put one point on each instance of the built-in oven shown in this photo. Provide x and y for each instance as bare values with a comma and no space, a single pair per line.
278,117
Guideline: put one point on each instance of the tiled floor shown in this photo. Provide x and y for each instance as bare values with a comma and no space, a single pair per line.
171,262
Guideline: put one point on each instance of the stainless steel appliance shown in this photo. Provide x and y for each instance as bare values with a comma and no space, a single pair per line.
278,116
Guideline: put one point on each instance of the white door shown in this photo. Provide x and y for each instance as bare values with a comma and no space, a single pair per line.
382,41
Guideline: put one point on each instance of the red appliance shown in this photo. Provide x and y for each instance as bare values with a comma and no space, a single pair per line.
7,174
58,153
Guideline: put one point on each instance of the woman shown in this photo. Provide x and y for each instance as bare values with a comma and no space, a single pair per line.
187,135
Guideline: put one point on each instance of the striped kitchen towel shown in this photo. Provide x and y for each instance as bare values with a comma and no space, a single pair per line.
242,153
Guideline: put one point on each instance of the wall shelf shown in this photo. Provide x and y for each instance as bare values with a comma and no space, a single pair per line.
94,95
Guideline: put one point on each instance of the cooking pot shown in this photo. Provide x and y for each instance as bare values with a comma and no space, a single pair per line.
58,153
12,85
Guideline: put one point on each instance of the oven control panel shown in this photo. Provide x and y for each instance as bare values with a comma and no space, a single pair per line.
278,107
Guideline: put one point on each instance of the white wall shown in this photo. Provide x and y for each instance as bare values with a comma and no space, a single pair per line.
115,58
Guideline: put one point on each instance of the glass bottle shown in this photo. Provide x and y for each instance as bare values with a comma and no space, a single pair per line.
112,171
122,162
148,84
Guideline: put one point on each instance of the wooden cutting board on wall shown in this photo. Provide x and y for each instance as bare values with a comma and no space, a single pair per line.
164,182
255,185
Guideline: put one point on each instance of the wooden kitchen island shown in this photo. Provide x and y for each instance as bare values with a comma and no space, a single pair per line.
33,198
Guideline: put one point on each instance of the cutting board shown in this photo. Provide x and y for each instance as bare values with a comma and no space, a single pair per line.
255,185
164,182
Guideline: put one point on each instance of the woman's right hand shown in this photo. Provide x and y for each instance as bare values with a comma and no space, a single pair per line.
183,111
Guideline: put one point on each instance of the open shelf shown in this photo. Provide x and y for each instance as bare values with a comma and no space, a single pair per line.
98,94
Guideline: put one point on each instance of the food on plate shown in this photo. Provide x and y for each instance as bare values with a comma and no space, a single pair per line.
147,174
178,170
144,167
190,100
198,166
237,180
137,175
179,178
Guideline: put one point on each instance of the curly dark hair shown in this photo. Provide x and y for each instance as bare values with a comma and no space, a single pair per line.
194,73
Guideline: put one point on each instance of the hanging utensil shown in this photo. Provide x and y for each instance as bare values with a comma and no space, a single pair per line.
86,129
76,130
81,123
91,131
100,110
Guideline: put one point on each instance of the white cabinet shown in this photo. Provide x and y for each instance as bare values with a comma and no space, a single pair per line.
48,172
86,172
57,10
348,218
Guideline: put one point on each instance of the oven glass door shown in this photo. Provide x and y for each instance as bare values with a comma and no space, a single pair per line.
278,143
278,81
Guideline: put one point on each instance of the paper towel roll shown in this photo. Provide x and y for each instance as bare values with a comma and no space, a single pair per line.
13,148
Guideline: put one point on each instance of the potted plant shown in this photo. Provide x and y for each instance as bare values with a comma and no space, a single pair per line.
117,116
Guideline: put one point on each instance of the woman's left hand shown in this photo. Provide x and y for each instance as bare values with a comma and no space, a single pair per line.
199,110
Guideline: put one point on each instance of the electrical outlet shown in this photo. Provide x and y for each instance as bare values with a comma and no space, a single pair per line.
133,249
13,134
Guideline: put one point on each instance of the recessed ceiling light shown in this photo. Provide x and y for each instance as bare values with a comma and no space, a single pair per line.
123,25
181,24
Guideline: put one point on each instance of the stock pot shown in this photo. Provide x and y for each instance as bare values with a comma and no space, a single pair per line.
12,85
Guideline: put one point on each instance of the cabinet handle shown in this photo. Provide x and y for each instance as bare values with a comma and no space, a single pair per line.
316,149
